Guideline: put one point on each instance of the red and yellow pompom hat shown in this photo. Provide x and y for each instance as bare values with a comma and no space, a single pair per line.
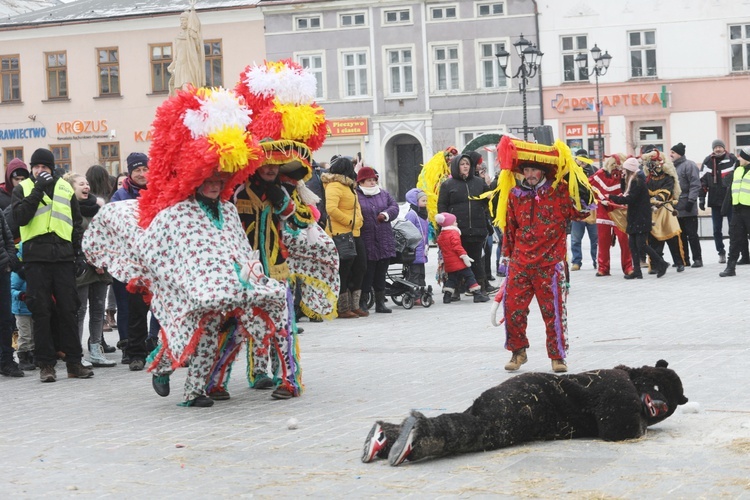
197,133
287,121
557,161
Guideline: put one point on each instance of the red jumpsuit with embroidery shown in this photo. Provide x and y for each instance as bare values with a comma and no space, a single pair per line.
535,243
608,183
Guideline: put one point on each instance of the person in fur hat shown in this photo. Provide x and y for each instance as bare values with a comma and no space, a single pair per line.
664,189
456,260
604,182
613,405
535,214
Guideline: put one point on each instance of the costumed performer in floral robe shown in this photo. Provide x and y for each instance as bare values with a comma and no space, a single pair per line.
187,248
278,211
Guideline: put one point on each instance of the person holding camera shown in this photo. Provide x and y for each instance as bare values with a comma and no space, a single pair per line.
48,215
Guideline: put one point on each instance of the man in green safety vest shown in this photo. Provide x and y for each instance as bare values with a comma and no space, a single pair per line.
739,196
46,211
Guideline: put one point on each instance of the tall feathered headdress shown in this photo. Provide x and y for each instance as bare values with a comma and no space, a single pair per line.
557,161
197,133
287,121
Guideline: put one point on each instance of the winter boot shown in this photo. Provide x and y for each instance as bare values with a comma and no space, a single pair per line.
110,317
345,303
559,366
519,357
480,297
729,271
722,258
77,370
26,361
97,358
380,303
357,304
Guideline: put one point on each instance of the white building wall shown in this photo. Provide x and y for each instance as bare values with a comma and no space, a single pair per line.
692,129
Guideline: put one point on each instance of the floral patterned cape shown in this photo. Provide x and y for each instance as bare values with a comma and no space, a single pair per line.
314,264
190,264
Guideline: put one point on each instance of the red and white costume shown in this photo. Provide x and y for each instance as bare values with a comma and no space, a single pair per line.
606,182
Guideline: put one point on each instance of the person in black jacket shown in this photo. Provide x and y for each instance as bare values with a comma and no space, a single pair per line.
637,198
52,256
8,262
455,197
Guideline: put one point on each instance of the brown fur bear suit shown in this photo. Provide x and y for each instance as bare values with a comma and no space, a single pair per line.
613,405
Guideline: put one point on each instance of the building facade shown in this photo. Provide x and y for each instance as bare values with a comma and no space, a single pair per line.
401,80
84,79
680,72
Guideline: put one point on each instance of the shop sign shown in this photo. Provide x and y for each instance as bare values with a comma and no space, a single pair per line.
576,130
7,134
563,104
141,136
352,126
82,129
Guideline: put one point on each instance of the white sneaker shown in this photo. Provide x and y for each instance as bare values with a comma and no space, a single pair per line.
374,442
403,445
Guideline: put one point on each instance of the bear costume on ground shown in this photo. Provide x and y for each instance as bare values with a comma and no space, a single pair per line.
613,405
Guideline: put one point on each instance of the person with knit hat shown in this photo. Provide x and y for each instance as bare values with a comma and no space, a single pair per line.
455,259
716,174
49,217
378,210
689,179
638,200
133,323
739,196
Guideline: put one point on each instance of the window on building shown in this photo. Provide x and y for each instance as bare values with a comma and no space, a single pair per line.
62,156
354,65
400,16
352,19
10,70
443,13
57,75
642,45
161,58
109,71
572,46
400,71
739,45
649,133
492,74
212,49
11,153
314,64
446,65
740,128
303,23
489,9
109,156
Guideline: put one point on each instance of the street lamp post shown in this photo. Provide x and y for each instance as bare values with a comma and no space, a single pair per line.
531,60
601,64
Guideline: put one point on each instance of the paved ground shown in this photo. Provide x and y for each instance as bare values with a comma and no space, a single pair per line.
111,436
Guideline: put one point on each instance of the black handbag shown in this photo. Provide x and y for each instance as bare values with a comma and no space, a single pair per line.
345,241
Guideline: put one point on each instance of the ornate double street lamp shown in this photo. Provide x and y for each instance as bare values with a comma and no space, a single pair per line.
531,60
601,64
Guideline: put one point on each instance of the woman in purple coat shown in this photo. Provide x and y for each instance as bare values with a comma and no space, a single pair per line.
378,209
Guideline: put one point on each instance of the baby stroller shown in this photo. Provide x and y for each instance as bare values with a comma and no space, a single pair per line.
397,287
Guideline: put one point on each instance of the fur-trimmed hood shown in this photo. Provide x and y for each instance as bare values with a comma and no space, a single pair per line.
611,163
328,177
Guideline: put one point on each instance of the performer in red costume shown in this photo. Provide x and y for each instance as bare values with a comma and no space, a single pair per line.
607,181
536,211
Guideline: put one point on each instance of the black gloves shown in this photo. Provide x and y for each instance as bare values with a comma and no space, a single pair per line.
44,180
702,204
81,266
689,206
275,195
